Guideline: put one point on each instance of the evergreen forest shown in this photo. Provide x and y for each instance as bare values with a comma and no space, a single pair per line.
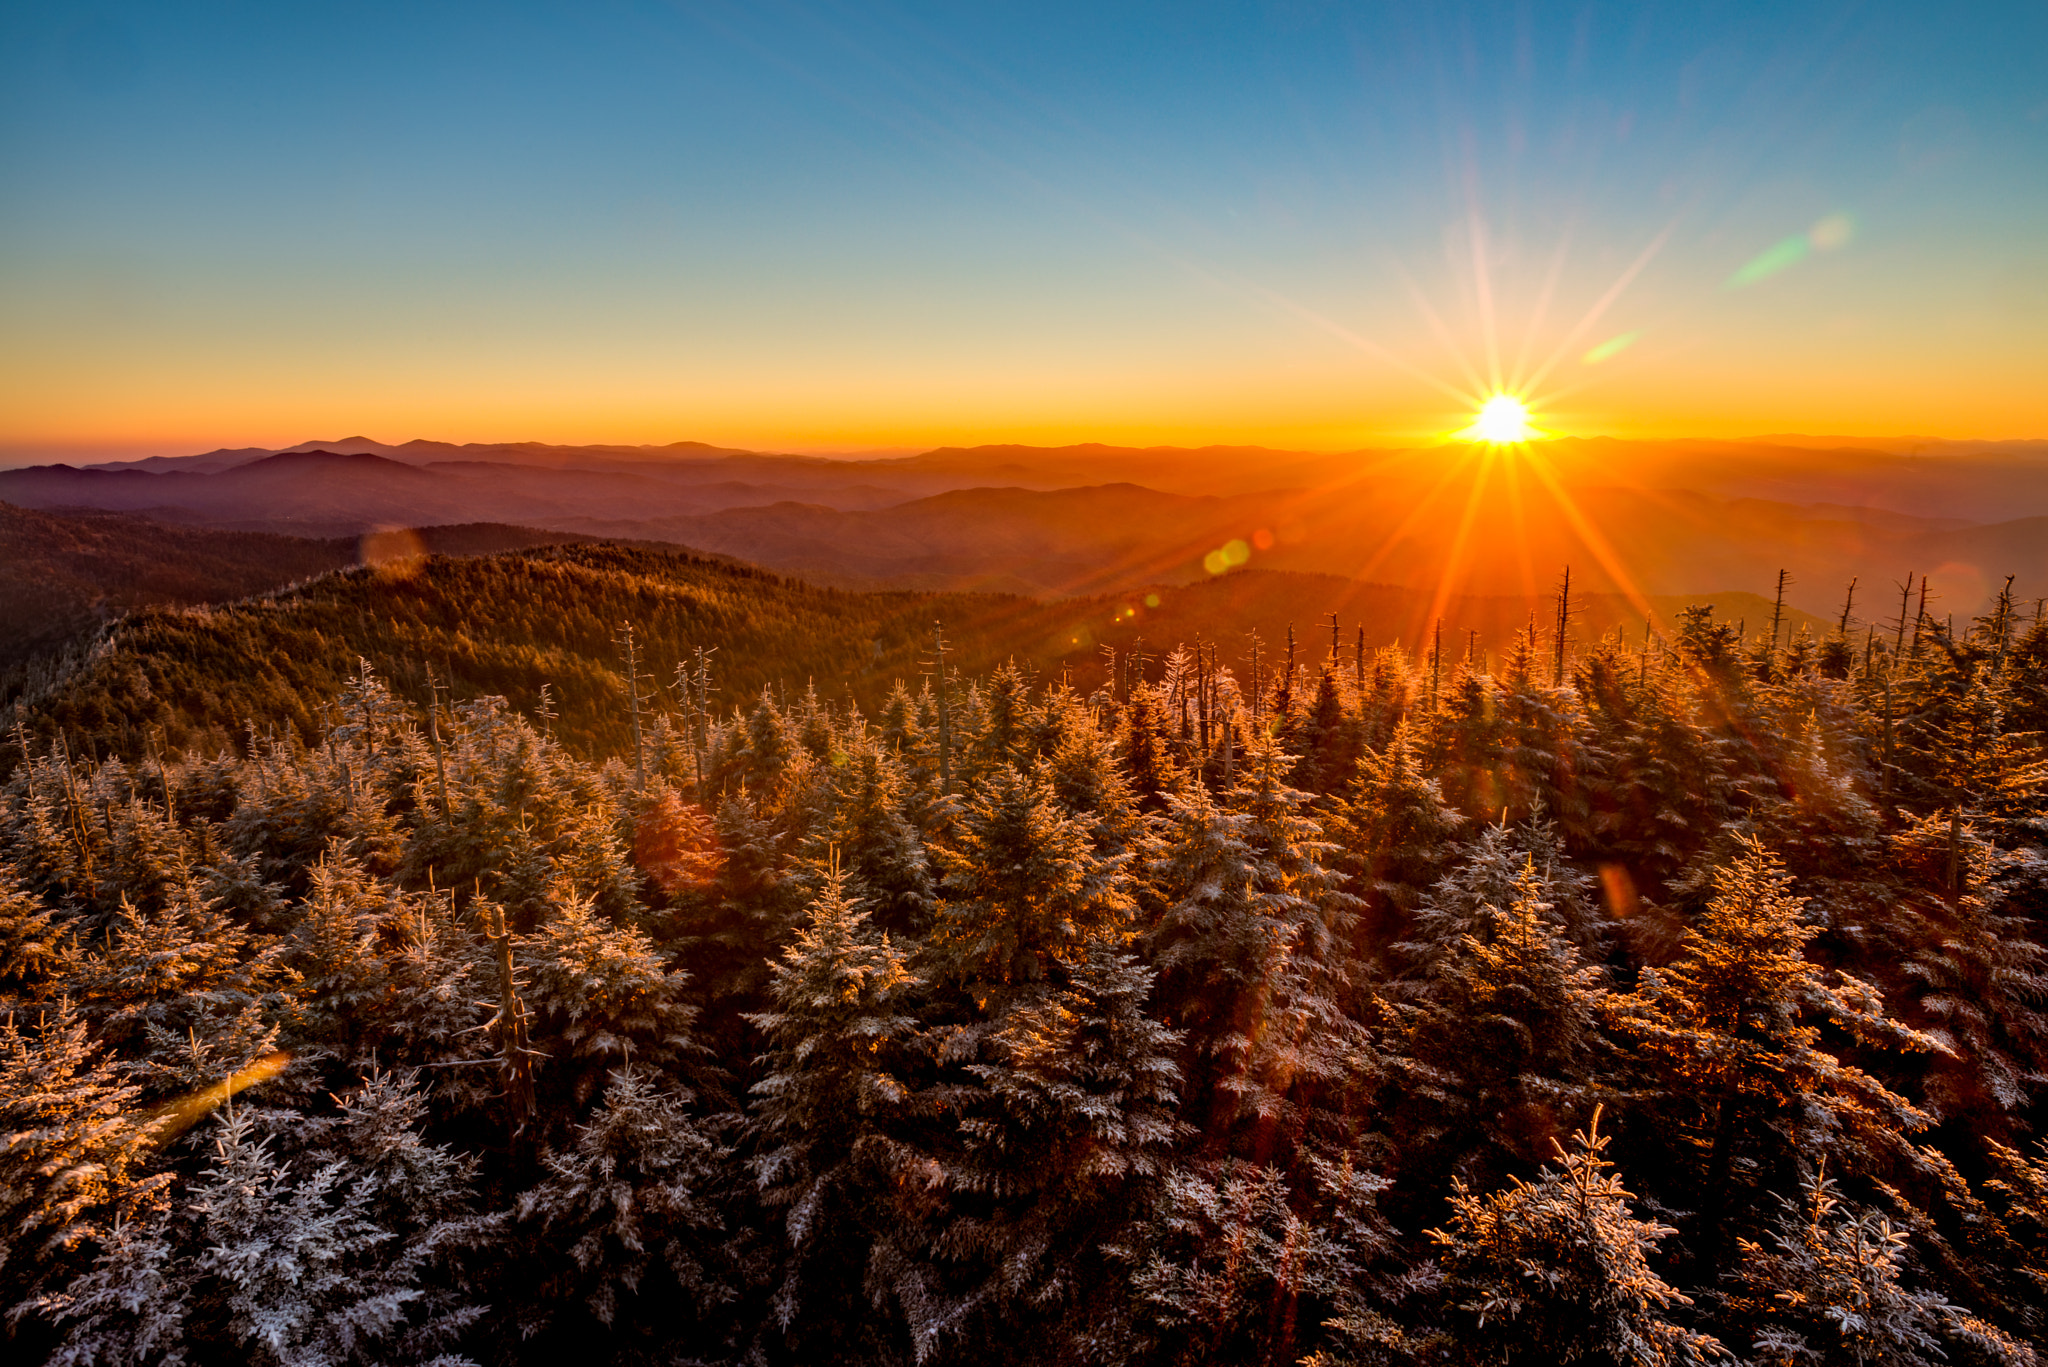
1669,1000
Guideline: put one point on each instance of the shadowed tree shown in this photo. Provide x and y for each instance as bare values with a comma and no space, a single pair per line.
1731,1035
1558,1271
1826,1287
836,1029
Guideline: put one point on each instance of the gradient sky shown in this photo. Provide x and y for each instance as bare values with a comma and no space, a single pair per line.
877,225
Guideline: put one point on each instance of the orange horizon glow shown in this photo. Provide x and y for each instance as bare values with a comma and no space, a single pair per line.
1429,427
1305,383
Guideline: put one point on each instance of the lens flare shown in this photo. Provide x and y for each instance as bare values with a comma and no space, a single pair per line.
174,1117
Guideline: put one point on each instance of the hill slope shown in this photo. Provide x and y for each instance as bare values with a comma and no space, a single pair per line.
508,624
65,575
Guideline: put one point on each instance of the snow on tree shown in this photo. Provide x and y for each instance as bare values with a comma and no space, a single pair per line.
1237,1264
836,1029
1558,1270
35,946
877,844
1488,879
1731,1033
1828,1286
73,1148
1393,830
275,1263
1977,980
626,1227
601,993
342,977
1503,1040
185,993
1059,1147
1024,886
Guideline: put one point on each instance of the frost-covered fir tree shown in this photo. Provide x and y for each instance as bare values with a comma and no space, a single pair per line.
74,1153
1503,1044
601,995
36,947
1240,1264
833,1080
1024,886
1393,831
877,844
269,1262
1976,980
343,979
1829,1286
185,994
1041,1144
1558,1271
1730,1034
624,1240
1487,879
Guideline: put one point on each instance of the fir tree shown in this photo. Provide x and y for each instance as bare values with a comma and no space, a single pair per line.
73,1150
1731,1032
833,1081
675,847
1658,780
1503,1038
1392,830
35,948
1488,879
271,1264
1238,1265
1558,1270
626,1231
1074,1122
342,977
186,994
879,846
1978,981
1827,1288
1024,886
1147,749
600,993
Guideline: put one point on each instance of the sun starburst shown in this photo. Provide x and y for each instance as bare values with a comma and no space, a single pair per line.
1503,420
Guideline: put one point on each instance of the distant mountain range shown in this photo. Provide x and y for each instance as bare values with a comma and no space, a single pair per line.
1645,518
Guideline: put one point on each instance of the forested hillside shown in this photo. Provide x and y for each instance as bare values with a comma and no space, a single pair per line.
510,625
65,575
1603,1005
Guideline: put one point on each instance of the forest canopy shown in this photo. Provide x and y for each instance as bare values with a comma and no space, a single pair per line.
1617,1002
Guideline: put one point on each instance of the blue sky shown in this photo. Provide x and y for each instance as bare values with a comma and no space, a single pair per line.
882,225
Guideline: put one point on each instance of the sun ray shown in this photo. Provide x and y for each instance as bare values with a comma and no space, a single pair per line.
1511,480
1482,287
1447,577
1518,376
1604,302
1590,535
1415,515
1445,336
1364,344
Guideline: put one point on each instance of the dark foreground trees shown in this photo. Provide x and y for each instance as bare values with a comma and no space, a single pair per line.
1681,1010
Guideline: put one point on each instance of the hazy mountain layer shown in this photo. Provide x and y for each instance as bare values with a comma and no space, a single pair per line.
1638,518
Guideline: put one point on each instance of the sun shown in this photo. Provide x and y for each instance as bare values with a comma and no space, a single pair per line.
1501,421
